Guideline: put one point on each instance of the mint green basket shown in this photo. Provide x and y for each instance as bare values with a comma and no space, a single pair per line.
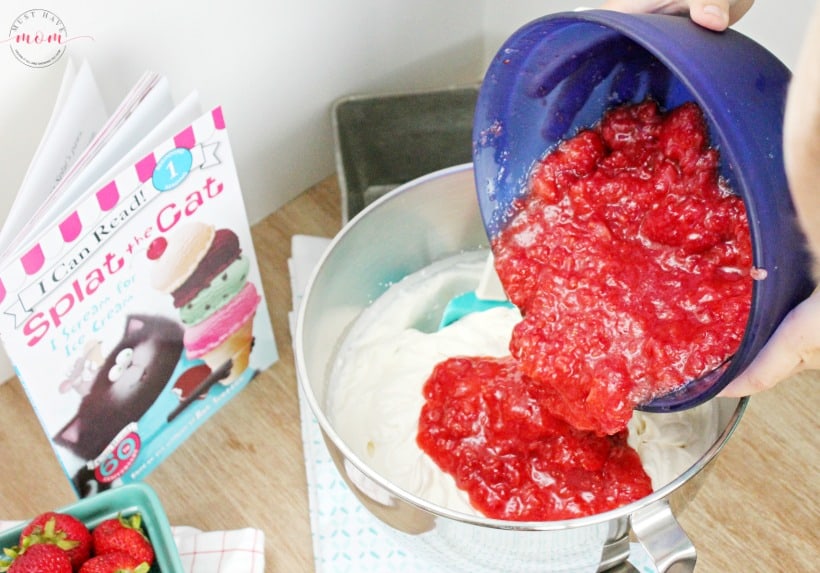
128,499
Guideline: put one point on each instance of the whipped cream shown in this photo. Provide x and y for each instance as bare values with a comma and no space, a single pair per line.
376,388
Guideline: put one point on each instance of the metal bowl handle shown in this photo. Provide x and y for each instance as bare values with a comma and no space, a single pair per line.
663,538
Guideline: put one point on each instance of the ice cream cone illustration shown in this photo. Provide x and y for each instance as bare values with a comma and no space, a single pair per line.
203,269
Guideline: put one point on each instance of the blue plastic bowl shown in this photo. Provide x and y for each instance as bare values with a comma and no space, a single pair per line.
560,73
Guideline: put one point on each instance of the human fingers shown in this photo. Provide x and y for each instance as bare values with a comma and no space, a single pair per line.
647,6
712,14
795,346
718,14
801,136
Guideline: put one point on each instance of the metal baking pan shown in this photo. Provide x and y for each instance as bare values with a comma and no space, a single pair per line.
383,141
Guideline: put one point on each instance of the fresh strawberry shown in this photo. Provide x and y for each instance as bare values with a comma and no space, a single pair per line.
41,558
123,534
115,562
60,529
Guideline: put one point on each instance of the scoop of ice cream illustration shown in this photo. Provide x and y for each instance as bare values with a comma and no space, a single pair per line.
80,376
206,274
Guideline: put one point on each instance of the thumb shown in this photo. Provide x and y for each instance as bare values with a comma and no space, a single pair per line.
718,14
712,14
794,346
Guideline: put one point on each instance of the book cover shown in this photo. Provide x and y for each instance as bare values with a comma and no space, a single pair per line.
132,307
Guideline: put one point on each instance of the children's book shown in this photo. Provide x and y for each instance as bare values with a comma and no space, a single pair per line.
131,304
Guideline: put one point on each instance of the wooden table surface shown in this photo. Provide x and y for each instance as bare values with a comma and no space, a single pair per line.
758,509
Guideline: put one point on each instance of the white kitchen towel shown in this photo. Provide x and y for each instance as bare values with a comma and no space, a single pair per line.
346,537
306,251
233,551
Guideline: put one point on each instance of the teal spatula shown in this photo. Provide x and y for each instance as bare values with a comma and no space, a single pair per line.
488,294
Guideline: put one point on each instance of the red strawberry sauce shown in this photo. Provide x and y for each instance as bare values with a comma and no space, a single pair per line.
630,261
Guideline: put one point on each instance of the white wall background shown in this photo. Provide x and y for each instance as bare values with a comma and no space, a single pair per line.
277,66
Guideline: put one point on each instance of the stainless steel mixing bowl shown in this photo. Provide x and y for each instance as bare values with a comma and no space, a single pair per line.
416,224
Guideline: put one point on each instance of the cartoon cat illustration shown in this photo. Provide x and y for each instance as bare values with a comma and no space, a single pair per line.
126,385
